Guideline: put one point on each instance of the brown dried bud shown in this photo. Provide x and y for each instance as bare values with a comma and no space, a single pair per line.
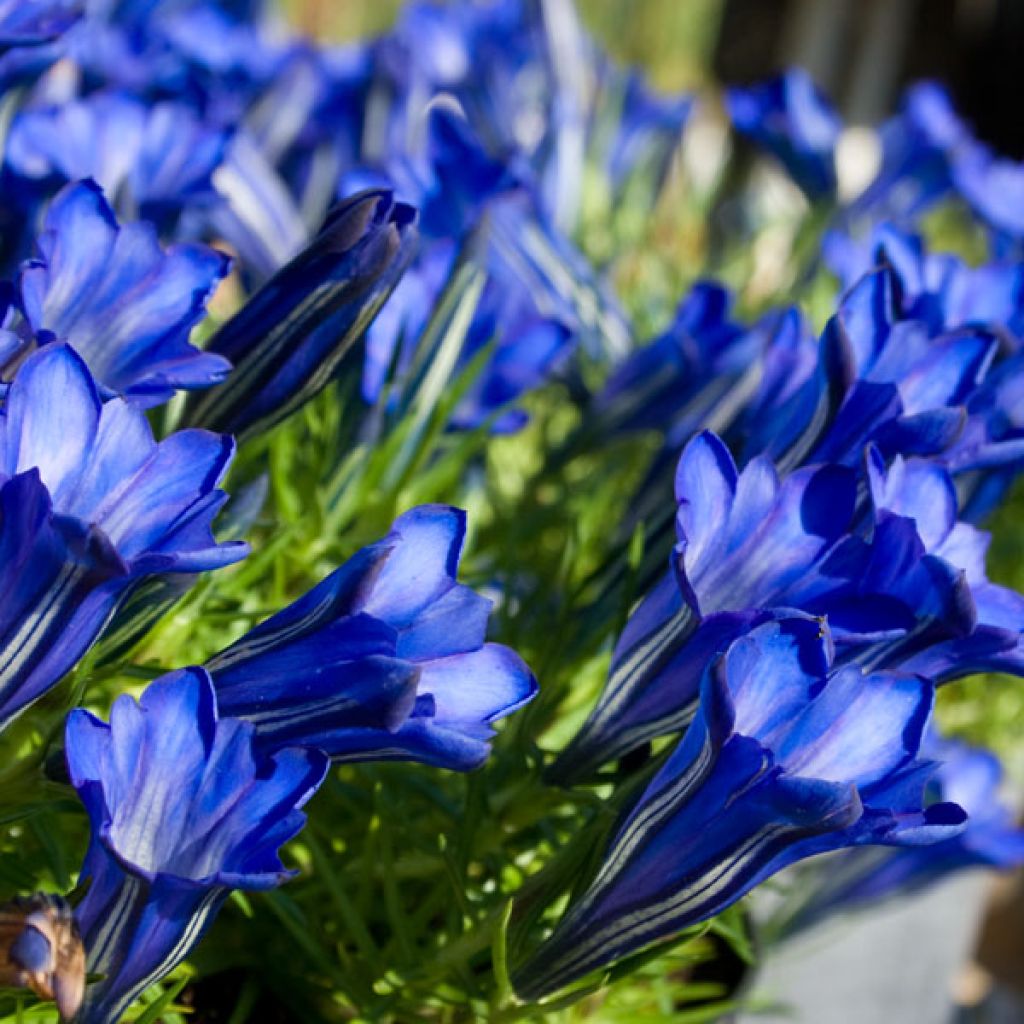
40,949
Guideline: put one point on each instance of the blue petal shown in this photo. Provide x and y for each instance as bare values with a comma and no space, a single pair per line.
50,422
124,303
421,566
479,686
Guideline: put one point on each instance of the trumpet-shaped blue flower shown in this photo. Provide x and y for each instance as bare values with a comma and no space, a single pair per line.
922,492
182,810
291,337
151,160
993,187
785,760
749,547
878,379
90,505
678,382
856,879
790,118
937,288
124,303
383,660
746,542
917,147
945,298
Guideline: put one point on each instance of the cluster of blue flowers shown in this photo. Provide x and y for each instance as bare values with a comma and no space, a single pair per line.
403,212
820,590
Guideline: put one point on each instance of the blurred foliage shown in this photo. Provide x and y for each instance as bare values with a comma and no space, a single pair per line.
670,39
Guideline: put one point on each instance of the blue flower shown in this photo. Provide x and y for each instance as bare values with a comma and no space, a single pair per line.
152,160
90,505
675,383
785,760
993,187
917,147
125,304
182,811
39,21
384,660
922,492
752,547
937,288
949,318
790,118
878,379
746,542
857,879
291,337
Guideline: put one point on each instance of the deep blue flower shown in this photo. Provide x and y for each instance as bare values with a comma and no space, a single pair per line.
290,338
937,288
790,118
124,303
751,546
857,879
923,492
938,296
385,659
152,160
878,379
917,147
24,22
993,187
746,542
90,505
784,761
182,810
676,383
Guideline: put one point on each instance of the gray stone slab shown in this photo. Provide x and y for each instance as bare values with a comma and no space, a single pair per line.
893,965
